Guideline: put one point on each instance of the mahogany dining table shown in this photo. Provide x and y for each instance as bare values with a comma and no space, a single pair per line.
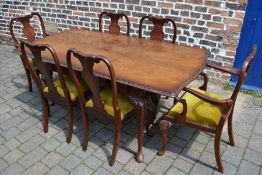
156,67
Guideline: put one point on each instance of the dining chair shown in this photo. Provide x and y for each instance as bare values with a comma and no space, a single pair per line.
114,27
158,35
29,34
206,111
61,90
158,23
107,104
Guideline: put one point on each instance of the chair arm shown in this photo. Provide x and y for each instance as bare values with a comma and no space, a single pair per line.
231,70
224,103
181,119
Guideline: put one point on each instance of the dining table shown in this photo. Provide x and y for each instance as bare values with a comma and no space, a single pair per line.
150,66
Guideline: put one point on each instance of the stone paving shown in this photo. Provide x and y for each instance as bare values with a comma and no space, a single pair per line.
26,149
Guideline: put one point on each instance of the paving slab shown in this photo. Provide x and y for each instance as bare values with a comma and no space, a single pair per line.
58,171
13,169
248,168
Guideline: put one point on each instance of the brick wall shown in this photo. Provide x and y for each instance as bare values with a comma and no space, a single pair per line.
213,24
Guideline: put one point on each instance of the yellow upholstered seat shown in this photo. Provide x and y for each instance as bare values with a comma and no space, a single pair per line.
70,85
106,97
31,62
198,110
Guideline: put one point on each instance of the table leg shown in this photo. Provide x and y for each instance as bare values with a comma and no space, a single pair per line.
139,104
151,107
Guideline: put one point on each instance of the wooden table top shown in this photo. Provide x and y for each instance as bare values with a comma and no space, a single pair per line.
154,66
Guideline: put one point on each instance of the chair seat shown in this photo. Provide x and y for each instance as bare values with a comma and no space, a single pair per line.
70,85
199,111
106,96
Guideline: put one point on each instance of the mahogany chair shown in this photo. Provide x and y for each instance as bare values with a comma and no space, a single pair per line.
61,91
157,32
206,111
158,35
29,34
114,27
107,104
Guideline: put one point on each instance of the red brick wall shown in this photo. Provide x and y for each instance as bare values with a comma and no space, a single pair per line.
214,24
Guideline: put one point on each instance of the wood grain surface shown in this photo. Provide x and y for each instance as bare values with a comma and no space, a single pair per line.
159,67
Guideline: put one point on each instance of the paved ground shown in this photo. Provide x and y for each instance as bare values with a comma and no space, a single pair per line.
25,149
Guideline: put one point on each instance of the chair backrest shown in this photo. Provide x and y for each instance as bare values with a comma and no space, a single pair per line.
244,71
87,74
114,27
157,32
28,30
36,51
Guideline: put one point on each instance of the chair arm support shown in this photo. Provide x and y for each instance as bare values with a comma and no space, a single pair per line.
223,103
16,46
231,70
204,86
181,119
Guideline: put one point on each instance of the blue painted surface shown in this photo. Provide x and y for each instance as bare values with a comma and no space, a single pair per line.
251,33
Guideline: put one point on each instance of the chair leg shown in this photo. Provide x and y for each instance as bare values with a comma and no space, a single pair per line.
218,151
230,129
86,129
70,122
29,80
46,114
117,135
140,132
164,125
